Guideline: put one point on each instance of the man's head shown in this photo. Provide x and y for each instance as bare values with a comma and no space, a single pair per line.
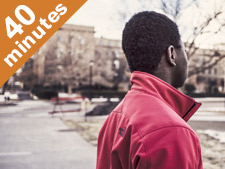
152,44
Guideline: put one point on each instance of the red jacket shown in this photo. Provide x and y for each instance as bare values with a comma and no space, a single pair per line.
148,129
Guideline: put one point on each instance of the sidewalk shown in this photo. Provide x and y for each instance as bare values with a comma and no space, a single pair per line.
31,139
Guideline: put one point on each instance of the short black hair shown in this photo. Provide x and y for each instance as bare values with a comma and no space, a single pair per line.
146,37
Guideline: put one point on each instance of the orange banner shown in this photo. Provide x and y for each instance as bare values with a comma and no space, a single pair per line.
26,25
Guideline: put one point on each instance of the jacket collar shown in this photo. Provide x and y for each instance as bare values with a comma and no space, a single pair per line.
183,105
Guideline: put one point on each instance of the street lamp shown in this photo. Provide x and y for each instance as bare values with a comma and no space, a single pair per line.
91,63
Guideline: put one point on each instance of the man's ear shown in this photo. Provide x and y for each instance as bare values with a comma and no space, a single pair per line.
171,55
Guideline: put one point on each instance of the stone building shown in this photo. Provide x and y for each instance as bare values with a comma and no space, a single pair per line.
109,56
67,57
73,57
212,79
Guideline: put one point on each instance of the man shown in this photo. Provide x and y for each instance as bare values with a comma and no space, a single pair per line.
148,129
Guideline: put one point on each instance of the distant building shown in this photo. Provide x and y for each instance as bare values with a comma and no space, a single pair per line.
111,65
212,79
65,60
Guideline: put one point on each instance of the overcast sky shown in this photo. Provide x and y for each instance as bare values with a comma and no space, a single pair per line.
98,13
102,14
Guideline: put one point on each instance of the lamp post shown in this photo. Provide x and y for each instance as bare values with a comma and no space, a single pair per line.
91,63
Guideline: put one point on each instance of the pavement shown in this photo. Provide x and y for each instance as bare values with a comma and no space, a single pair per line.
32,139
210,116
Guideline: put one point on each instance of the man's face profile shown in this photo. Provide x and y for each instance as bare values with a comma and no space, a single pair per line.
181,68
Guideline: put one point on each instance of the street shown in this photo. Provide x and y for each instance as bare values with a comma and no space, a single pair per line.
210,116
32,139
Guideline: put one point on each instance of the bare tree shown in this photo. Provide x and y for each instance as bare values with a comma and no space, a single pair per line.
75,69
27,76
66,64
176,9
51,63
214,55
127,8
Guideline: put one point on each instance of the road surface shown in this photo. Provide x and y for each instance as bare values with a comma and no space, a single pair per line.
31,139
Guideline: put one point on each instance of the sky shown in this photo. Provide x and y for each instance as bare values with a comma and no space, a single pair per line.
98,13
103,15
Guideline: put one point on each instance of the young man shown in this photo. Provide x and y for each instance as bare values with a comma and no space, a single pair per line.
148,129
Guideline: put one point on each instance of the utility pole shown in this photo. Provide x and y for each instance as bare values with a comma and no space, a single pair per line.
90,78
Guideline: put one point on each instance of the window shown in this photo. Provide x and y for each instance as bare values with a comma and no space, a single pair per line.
81,40
71,39
60,38
58,53
117,54
100,42
109,43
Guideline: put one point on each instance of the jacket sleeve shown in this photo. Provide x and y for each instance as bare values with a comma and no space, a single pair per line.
168,148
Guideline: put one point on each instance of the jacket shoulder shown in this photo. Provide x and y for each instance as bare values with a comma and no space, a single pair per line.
149,113
171,147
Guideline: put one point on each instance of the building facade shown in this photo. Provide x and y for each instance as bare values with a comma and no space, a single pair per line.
111,65
73,57
72,52
211,63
